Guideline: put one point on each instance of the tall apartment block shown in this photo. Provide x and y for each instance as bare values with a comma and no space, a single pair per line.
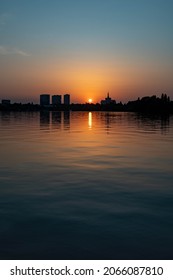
56,99
45,99
66,99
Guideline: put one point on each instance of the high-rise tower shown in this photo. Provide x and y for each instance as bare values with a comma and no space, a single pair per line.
66,99
45,99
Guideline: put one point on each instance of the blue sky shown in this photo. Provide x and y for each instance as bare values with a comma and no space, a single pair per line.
86,48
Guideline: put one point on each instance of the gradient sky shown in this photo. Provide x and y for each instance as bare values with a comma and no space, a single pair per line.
86,48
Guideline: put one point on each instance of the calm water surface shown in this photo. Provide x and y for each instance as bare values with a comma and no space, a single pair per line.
80,185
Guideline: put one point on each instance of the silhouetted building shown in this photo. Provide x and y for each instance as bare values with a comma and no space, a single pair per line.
66,99
45,99
56,99
6,102
107,100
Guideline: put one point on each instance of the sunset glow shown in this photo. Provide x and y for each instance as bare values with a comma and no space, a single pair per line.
86,137
86,49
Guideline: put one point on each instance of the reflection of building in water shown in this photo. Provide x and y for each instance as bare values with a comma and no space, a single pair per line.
5,117
45,99
108,100
90,120
44,119
56,99
107,122
165,119
56,119
151,122
66,99
66,119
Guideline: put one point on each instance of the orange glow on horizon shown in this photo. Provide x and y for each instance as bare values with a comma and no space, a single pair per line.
83,79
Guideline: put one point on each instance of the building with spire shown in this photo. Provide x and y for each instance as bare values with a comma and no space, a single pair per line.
108,100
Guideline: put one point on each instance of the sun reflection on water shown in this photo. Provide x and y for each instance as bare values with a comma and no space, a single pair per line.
90,120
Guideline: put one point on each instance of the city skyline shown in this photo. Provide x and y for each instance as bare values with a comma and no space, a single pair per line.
45,99
85,48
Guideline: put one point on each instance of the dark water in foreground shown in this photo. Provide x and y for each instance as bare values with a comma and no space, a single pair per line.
85,185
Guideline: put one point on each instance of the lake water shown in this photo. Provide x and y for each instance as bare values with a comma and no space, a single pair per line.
82,185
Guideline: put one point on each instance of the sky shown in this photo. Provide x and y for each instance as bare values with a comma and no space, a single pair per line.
86,49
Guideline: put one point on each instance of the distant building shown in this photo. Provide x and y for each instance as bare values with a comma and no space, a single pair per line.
108,100
66,99
56,99
45,99
6,102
